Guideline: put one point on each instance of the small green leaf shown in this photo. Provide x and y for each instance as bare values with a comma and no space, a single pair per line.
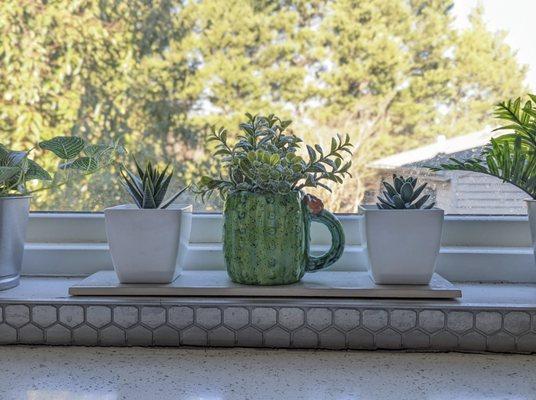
148,193
419,203
398,183
65,147
406,192
173,198
398,202
312,154
418,191
85,164
93,150
35,171
333,144
390,189
6,173
19,159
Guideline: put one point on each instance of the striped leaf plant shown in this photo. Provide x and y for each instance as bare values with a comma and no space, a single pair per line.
18,168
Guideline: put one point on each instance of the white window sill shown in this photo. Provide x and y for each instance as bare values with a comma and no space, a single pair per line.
474,248
505,295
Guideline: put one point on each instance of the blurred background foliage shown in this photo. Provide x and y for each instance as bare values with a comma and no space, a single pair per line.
156,74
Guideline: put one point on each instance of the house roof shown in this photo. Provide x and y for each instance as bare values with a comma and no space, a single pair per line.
461,147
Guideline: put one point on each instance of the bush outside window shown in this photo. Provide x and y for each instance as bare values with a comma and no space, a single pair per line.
399,77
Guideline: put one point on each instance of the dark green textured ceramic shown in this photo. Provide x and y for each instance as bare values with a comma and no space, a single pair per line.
266,237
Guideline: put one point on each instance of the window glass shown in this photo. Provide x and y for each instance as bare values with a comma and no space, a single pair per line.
413,82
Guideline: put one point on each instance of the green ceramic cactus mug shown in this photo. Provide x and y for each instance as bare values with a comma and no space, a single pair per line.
266,237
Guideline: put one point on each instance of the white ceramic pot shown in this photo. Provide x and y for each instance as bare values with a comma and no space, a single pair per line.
402,245
13,221
148,245
531,211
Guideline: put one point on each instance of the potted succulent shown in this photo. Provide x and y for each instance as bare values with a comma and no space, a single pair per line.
511,156
148,239
17,169
403,233
267,215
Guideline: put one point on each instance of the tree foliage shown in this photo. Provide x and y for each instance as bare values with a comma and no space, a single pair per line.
157,74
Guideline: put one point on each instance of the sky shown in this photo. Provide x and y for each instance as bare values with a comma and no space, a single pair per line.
514,16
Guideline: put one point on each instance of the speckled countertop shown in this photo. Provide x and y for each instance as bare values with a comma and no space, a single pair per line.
82,373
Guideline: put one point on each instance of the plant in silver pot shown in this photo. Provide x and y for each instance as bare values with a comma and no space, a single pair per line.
148,239
19,173
510,157
267,214
403,233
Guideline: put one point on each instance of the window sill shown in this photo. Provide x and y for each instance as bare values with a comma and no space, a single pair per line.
490,317
456,263
474,248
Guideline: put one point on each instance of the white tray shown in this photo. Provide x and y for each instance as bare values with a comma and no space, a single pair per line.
217,283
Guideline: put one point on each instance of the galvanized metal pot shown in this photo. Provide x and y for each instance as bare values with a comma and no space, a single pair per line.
14,213
531,211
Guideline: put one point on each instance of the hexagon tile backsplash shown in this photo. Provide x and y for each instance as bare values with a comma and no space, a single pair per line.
249,324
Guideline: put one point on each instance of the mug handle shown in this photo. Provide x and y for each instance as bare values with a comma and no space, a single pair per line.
337,241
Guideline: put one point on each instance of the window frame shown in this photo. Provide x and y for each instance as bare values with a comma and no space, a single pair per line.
473,249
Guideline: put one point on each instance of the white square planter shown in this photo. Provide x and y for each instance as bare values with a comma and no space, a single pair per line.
402,245
13,221
148,245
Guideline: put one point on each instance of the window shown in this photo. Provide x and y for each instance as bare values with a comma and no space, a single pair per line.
411,82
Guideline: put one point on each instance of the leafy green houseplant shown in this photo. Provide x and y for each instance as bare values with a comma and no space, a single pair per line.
148,239
511,156
267,214
403,233
18,170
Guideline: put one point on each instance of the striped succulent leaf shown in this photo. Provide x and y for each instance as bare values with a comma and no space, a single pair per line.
148,186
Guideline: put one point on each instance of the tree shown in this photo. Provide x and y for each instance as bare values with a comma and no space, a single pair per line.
397,74
157,74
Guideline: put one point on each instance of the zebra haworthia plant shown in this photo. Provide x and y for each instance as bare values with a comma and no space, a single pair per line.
17,168
148,242
403,194
148,187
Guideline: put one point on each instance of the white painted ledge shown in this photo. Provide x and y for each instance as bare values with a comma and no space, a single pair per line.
480,295
474,248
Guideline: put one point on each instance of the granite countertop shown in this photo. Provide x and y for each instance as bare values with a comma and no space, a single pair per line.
81,373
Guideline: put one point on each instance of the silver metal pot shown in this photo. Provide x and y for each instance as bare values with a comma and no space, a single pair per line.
14,213
531,211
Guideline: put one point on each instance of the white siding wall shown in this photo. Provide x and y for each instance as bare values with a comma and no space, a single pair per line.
466,193
471,193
